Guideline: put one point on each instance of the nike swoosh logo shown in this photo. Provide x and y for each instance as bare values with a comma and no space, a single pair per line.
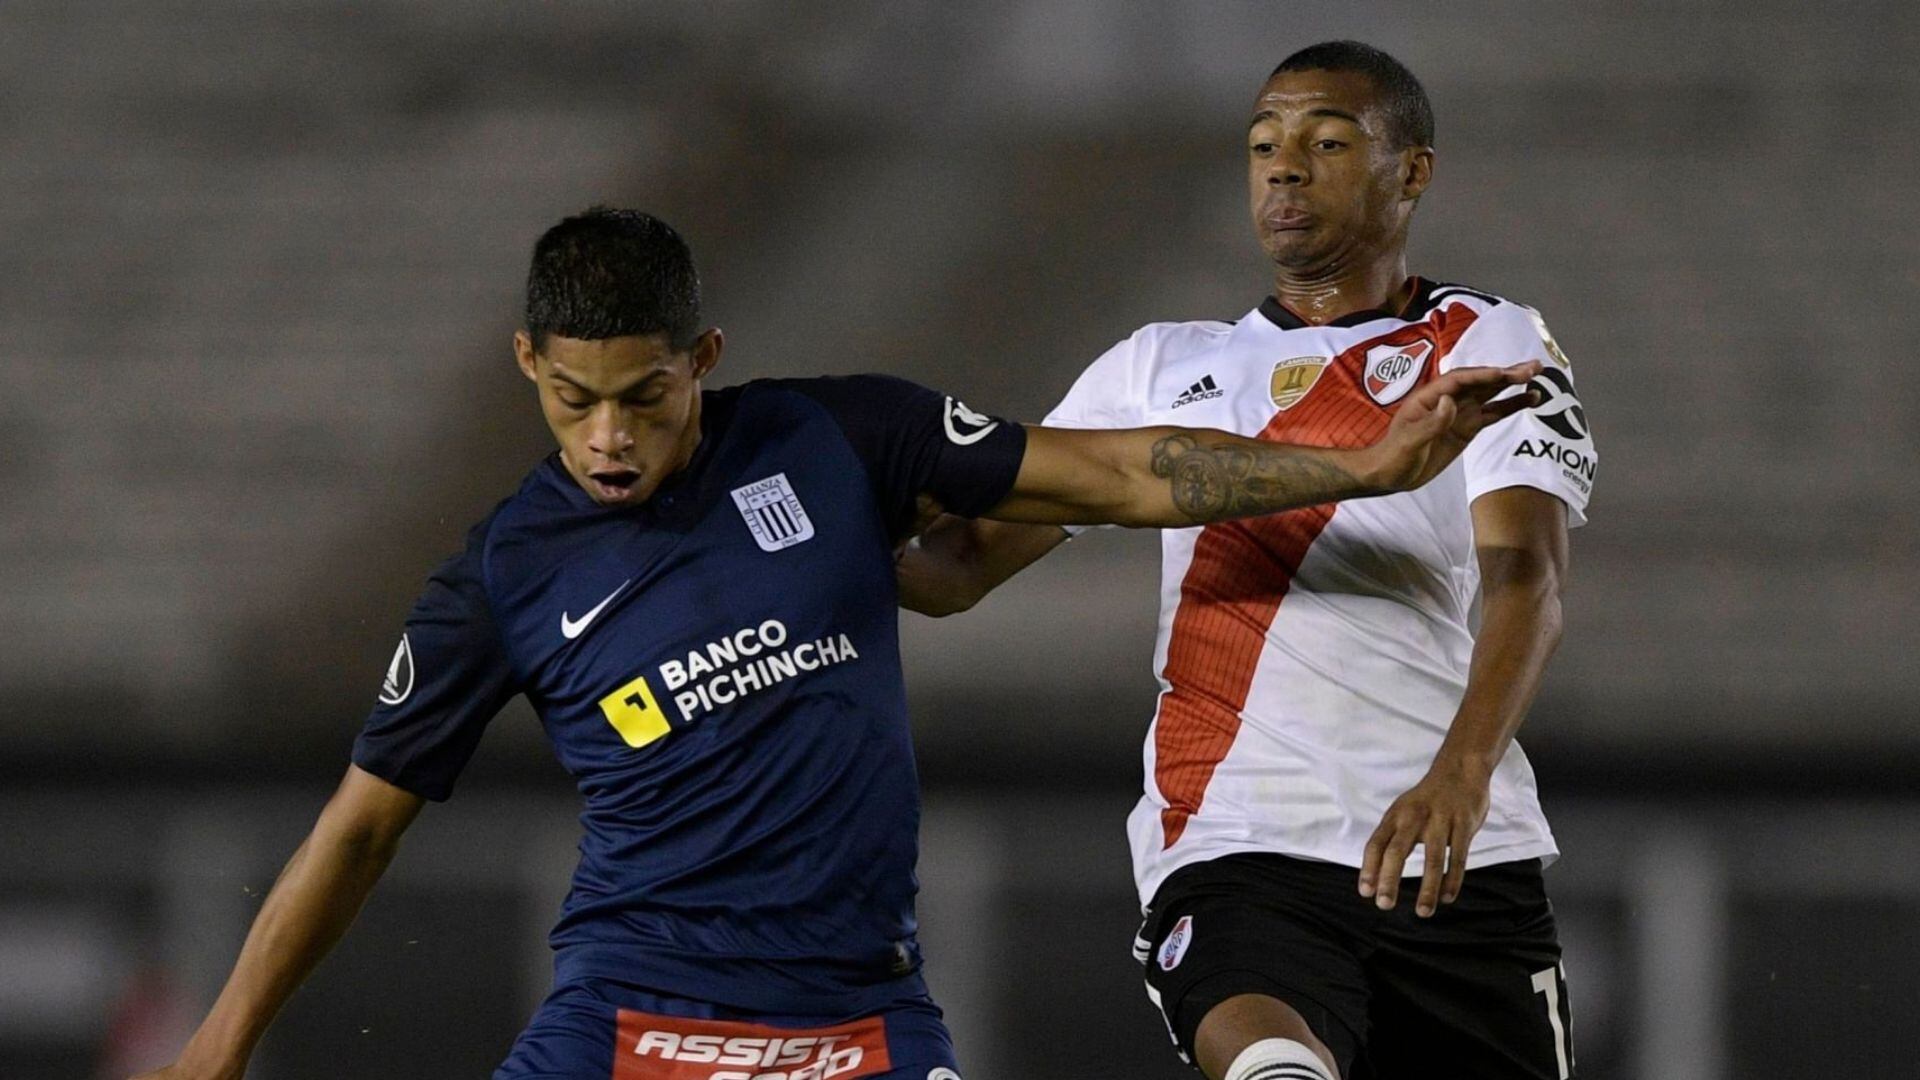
572,628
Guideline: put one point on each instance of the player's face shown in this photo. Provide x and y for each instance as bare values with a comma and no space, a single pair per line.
625,410
1327,188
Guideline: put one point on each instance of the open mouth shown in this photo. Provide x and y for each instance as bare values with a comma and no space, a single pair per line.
612,485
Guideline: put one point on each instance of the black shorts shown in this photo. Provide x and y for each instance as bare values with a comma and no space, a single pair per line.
1475,991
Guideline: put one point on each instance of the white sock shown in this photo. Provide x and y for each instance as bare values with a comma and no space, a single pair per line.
1278,1059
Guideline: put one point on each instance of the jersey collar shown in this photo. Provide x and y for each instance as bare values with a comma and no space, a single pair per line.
1281,316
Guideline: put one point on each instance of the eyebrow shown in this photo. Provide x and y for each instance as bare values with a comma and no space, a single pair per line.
623,392
1338,114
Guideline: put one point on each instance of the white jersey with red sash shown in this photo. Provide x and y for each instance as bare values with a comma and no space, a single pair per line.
1310,662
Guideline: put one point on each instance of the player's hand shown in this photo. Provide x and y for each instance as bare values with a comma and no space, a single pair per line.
926,511
1437,421
1441,814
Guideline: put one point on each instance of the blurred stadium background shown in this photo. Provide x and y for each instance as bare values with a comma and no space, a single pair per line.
261,264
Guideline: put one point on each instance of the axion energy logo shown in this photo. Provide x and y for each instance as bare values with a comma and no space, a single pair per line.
650,1047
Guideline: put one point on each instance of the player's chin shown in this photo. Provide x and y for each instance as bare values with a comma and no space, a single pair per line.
1290,248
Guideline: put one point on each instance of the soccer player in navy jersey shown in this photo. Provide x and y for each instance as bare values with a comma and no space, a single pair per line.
696,592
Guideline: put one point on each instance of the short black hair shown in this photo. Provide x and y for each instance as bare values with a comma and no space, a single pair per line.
1409,113
609,273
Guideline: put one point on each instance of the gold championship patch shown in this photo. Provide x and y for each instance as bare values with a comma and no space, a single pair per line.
1293,378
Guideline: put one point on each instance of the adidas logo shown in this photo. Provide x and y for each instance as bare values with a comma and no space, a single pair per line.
1201,391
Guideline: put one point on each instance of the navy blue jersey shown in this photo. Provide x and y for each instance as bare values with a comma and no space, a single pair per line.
719,670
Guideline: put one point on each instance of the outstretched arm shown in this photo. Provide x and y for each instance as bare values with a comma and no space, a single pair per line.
1173,477
1180,476
315,898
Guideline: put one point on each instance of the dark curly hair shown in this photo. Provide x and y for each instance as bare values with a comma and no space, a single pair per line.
610,273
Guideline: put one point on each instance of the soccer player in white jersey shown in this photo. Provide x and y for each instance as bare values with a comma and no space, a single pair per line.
1333,745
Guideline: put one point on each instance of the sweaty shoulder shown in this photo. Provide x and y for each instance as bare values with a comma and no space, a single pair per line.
1504,332
1549,447
1181,336
1112,391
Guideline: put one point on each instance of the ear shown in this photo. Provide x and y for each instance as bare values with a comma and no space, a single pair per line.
706,352
525,356
1416,171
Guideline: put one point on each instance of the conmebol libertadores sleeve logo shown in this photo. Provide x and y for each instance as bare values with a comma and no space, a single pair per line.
966,427
399,681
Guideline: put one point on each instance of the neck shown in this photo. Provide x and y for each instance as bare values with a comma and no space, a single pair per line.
689,442
1324,294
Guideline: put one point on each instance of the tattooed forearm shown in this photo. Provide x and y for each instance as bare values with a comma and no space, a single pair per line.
1241,479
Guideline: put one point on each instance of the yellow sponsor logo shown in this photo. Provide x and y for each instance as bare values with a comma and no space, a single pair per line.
634,713
1292,378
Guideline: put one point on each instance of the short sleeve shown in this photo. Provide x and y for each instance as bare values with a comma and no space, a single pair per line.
448,678
1549,447
1105,395
916,441
1102,398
